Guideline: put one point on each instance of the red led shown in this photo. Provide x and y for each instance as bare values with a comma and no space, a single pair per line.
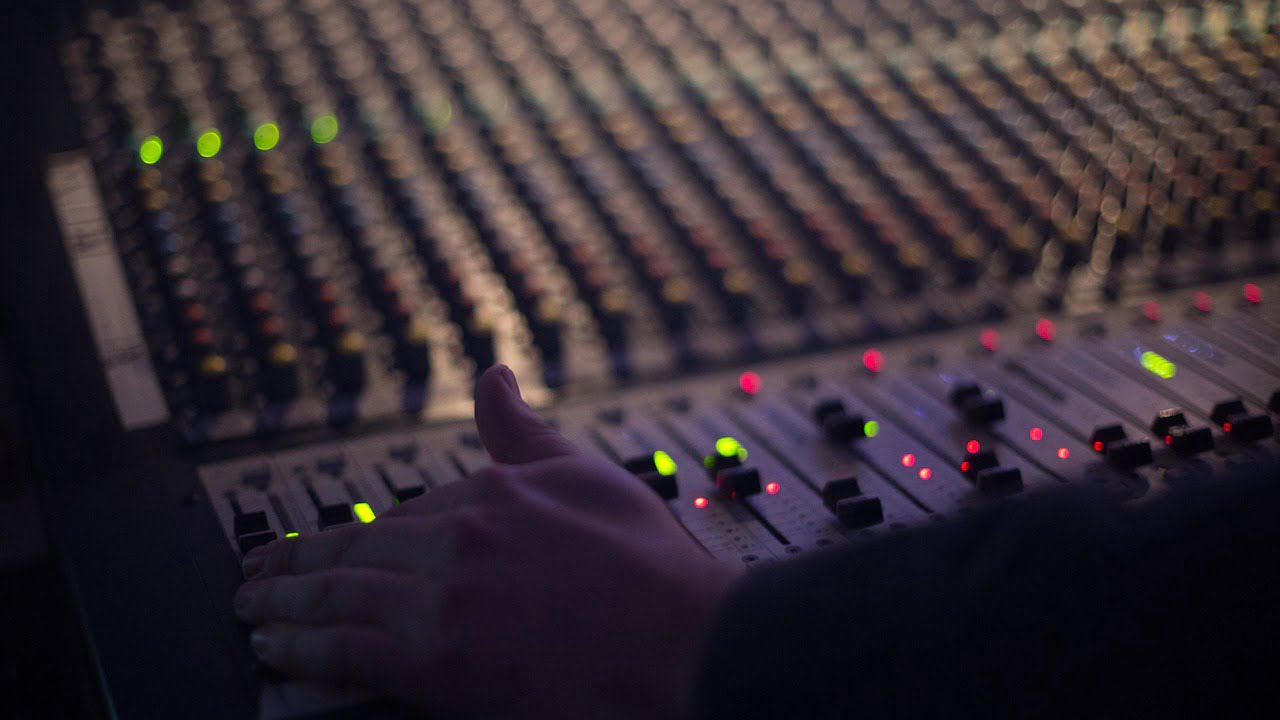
1226,427
1252,293
749,382
990,339
972,446
1063,453
1046,330
700,502
1204,302
772,488
925,473
1037,434
1098,446
964,466
873,360
908,460
1168,439
1151,310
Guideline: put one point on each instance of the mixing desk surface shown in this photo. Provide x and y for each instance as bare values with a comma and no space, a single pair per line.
813,270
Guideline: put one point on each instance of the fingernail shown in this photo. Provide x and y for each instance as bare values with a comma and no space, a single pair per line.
254,564
258,642
509,378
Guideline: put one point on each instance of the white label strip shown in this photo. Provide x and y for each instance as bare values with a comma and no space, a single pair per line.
104,292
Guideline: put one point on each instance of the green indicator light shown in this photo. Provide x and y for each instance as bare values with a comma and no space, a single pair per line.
209,143
324,129
663,462
364,512
291,534
151,150
266,136
729,447
1157,365
871,428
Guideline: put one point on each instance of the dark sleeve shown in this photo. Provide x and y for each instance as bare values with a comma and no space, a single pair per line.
1060,605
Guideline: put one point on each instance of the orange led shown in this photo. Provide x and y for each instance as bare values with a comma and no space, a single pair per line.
925,473
700,502
1063,453
908,460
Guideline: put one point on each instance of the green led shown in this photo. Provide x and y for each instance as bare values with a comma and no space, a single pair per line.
438,115
729,447
871,428
1157,365
324,129
151,150
364,512
209,143
266,136
291,534
663,462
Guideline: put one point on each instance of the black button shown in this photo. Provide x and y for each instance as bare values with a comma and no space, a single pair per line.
409,493
1129,454
984,411
1166,420
665,485
404,481
252,540
827,407
965,393
975,463
860,512
836,490
641,464
998,481
1227,409
251,522
840,427
738,482
1251,428
716,462
1187,441
1104,435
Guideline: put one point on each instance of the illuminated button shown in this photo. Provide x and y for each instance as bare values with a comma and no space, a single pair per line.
363,512
1104,435
324,129
997,481
836,490
1224,411
209,143
1249,428
738,482
151,150
729,453
1166,420
266,136
860,512
976,462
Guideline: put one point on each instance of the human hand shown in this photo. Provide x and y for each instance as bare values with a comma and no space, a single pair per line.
551,584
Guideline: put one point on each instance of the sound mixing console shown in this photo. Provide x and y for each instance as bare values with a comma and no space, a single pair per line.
812,270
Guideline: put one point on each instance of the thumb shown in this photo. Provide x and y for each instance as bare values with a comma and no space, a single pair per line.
511,431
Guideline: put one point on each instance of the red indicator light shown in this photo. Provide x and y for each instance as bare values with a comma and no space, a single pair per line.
972,446
1098,446
873,360
925,473
908,460
1252,293
1063,453
772,488
990,339
749,382
1226,427
1168,439
1151,310
1203,302
1046,330
1036,434
700,502
964,466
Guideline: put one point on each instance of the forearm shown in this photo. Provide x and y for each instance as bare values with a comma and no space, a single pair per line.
1051,605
